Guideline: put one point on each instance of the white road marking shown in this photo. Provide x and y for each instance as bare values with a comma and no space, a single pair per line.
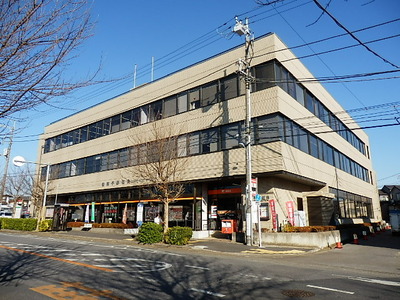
329,289
196,267
378,281
208,293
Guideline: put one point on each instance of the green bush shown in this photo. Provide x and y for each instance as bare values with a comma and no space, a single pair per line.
19,224
45,225
150,233
178,235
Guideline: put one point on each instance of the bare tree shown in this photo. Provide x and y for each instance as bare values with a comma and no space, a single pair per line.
38,39
161,164
19,184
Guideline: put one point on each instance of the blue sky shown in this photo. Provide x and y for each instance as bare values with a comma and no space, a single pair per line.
179,33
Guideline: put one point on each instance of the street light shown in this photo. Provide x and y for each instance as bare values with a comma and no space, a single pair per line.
19,161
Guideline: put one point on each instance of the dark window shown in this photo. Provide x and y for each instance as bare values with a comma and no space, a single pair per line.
291,86
126,119
269,129
310,102
170,107
230,136
288,132
314,146
135,117
209,94
84,134
300,94
194,143
155,110
134,157
328,153
80,166
209,140
115,123
194,98
106,126
182,147
113,160
182,103
123,158
303,139
229,87
104,162
265,76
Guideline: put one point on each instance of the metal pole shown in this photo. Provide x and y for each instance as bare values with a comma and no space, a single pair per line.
249,219
8,154
43,216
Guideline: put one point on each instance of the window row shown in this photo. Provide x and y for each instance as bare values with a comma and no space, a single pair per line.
211,93
267,75
349,205
289,84
266,129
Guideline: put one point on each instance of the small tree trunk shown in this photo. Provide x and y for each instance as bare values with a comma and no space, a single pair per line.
165,219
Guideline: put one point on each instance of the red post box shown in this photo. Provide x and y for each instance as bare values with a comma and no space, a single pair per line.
228,226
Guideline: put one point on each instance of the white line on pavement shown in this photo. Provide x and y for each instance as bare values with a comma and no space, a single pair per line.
329,289
208,292
196,267
378,281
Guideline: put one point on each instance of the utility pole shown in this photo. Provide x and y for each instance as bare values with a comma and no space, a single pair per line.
7,153
244,70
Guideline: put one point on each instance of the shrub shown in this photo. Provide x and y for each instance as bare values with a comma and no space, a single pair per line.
45,225
150,233
178,235
19,224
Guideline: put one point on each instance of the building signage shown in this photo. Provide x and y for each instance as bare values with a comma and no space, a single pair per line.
225,191
273,215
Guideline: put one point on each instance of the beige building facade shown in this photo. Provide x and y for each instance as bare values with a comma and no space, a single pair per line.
310,161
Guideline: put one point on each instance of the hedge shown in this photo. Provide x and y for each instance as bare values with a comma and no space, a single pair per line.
150,233
99,225
178,235
19,224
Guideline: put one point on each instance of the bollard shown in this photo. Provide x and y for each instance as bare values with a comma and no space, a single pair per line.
365,235
339,245
355,238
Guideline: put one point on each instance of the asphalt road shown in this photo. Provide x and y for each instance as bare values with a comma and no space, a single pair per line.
52,267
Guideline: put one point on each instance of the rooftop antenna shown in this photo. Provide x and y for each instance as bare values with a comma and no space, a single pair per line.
134,76
152,68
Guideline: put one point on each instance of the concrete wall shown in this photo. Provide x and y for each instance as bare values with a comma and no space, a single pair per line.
302,239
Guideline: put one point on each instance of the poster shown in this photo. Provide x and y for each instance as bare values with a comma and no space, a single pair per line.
290,212
273,214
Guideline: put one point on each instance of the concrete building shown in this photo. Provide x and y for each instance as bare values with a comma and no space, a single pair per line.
310,161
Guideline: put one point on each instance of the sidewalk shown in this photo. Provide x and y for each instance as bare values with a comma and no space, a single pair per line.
221,245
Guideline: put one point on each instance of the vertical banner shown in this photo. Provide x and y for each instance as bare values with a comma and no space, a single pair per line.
87,213
139,214
125,214
93,210
273,214
290,212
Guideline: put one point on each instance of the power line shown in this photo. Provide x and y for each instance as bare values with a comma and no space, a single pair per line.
353,36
